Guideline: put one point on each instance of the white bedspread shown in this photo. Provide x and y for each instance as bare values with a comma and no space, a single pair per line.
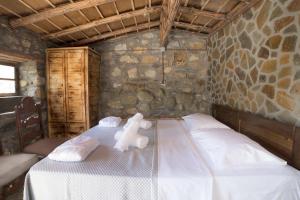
182,175
280,183
106,174
256,183
179,168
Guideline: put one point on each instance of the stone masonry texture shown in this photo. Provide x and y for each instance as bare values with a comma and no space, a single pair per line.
138,76
255,61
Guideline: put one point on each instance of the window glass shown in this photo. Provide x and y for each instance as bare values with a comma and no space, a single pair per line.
7,80
7,86
7,72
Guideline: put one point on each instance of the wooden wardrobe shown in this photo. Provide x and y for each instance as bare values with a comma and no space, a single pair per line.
73,76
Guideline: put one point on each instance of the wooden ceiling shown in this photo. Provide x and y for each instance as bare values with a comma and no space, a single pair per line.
70,22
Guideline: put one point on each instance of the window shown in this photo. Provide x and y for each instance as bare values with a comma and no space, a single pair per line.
7,80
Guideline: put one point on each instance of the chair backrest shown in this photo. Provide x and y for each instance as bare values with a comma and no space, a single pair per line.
28,121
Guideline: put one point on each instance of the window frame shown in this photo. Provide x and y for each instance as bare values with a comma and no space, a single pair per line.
17,87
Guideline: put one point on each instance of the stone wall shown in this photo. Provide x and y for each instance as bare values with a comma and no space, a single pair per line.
132,77
255,61
31,75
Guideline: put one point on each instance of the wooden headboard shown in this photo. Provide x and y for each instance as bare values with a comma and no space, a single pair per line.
281,139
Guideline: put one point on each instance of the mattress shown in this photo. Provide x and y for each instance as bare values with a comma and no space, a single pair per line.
171,167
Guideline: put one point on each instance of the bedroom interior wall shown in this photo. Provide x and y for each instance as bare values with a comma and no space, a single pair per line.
31,78
132,77
255,61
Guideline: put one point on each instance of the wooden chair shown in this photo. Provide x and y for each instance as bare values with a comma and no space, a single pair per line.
30,129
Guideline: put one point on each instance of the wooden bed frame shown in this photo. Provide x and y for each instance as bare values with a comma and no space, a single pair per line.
279,138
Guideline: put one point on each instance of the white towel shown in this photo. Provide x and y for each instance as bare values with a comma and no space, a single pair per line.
110,121
74,150
129,136
145,124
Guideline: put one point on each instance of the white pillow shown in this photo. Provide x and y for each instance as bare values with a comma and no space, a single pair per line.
110,121
199,121
226,148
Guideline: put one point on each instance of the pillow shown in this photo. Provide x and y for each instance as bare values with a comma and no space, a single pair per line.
226,148
199,121
110,121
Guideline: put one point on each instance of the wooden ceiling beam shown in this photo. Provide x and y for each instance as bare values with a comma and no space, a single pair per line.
86,18
118,13
169,11
106,20
203,5
60,10
16,14
195,11
101,15
12,57
193,27
240,9
118,32
223,5
48,20
133,8
53,6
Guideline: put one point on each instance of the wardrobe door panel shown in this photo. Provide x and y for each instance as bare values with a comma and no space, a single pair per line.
74,129
56,86
75,88
57,130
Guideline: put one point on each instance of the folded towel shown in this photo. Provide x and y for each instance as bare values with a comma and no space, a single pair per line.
145,124
74,150
118,134
142,142
110,121
129,136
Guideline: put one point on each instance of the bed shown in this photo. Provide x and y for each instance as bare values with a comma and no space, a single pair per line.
170,167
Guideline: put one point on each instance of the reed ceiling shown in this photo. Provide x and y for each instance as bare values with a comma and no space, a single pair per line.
79,22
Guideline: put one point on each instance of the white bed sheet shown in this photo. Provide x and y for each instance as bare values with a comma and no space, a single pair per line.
277,183
182,174
269,183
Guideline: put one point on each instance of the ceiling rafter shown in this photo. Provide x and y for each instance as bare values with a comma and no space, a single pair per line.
203,5
48,20
204,13
186,2
240,9
86,18
167,17
201,20
118,32
103,21
16,14
133,8
118,13
101,15
59,10
147,14
67,18
218,11
192,27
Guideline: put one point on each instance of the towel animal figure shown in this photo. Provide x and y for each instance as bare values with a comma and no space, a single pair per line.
129,136
144,124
